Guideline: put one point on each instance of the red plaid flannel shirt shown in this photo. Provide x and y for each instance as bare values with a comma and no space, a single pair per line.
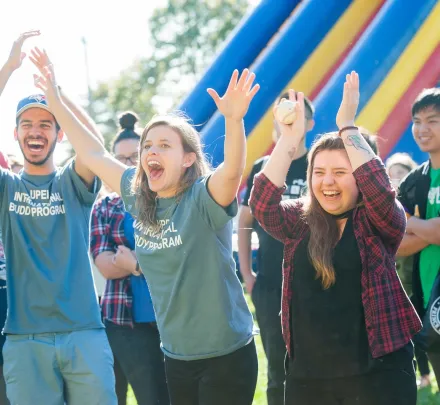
106,233
379,226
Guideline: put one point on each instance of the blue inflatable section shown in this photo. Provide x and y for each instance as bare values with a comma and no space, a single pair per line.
278,64
243,47
373,56
407,143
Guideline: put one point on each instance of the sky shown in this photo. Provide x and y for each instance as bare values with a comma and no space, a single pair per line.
116,33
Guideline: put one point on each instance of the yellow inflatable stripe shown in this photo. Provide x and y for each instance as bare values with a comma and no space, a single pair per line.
313,71
400,77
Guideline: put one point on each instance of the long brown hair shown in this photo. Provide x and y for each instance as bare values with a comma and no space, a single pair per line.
190,138
324,231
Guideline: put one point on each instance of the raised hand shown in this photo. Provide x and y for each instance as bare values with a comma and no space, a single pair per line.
46,80
16,55
297,129
350,101
235,102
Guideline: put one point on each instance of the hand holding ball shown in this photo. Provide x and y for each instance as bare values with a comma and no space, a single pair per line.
285,111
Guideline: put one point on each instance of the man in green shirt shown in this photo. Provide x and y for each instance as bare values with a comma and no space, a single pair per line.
421,188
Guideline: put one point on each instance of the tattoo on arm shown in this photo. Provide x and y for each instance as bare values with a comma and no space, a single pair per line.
291,153
356,142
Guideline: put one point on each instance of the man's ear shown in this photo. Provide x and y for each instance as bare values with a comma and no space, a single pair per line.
15,134
310,125
60,136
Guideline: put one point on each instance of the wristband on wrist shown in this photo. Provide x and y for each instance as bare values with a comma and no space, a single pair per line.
347,129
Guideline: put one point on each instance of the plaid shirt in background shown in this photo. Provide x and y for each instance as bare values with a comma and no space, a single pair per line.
106,233
379,225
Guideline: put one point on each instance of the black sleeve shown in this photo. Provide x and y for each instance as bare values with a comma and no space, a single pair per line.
256,168
406,194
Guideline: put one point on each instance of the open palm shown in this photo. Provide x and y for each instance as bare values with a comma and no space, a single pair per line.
350,101
235,102
46,80
16,55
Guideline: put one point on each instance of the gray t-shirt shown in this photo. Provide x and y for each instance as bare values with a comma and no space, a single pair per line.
45,227
199,303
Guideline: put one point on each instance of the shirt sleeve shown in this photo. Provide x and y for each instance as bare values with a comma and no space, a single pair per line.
383,209
127,195
278,218
100,232
5,176
407,202
214,214
86,195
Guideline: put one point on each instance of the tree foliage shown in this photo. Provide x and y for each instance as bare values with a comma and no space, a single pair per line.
185,37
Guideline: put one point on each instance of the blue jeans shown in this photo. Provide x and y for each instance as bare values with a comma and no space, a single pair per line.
57,368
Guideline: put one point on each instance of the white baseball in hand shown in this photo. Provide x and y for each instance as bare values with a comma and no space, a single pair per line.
285,112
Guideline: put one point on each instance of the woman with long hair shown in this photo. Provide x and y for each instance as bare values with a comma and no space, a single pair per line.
126,305
183,235
347,322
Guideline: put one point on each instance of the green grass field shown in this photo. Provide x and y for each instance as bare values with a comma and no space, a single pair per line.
425,396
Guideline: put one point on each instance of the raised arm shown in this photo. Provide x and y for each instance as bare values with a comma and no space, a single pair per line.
384,211
87,147
276,217
358,150
82,169
225,181
15,58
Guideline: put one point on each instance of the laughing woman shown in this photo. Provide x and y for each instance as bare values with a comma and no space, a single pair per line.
347,323
183,234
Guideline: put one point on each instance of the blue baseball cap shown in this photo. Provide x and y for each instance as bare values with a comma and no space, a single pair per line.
34,101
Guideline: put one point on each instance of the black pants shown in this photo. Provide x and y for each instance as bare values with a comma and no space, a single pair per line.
137,350
422,361
121,383
223,380
434,359
384,387
267,302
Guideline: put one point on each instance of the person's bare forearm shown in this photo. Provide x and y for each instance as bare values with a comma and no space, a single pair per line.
224,182
82,115
245,251
5,73
358,150
83,140
411,244
280,160
235,149
426,229
105,265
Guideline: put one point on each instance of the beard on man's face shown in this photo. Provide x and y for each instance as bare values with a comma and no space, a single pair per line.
37,160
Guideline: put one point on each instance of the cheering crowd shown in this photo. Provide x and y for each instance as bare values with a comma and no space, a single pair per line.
337,320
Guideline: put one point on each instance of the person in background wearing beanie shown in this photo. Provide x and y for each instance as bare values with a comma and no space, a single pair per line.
126,304
56,349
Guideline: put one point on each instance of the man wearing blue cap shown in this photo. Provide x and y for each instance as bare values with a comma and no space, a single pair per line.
56,349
